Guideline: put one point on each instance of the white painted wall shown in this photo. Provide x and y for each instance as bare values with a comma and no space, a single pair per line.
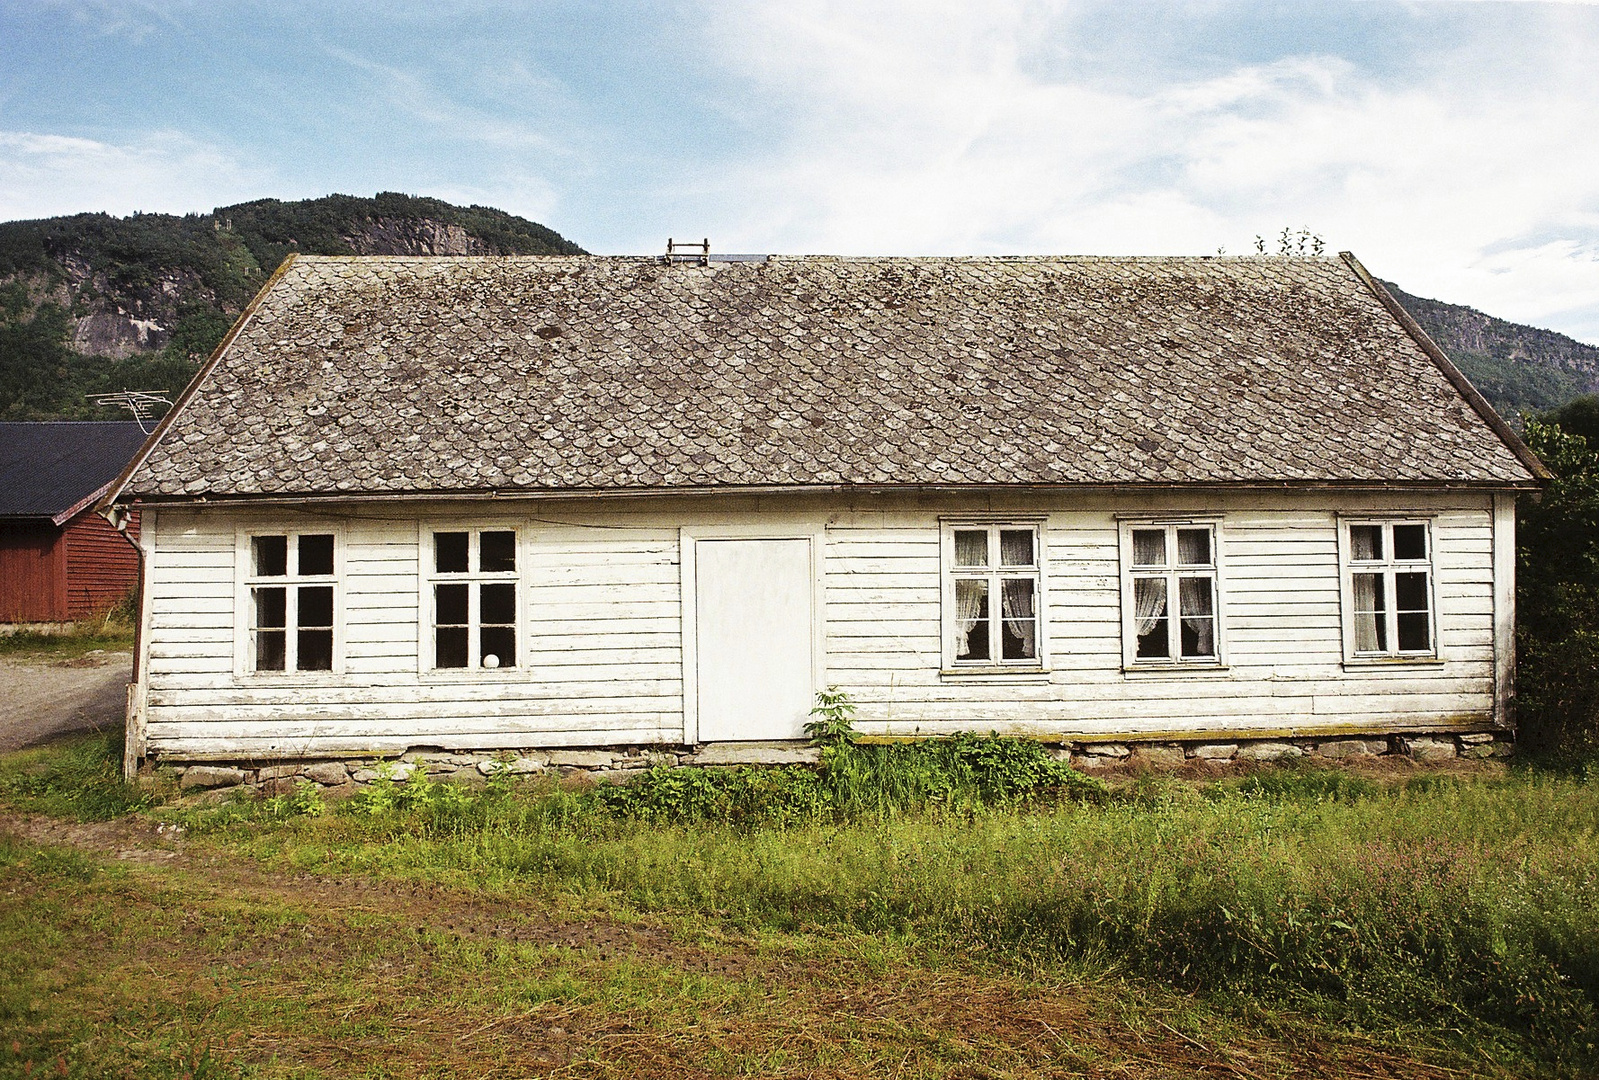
602,619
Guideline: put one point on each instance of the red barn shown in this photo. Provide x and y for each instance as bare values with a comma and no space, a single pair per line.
59,560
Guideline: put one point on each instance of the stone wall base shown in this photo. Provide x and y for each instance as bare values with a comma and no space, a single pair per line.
344,776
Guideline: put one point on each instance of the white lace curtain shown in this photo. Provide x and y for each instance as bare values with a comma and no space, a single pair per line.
1149,597
1017,600
971,605
1194,601
1369,611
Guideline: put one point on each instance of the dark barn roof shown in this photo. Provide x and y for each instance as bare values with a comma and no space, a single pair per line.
412,375
49,470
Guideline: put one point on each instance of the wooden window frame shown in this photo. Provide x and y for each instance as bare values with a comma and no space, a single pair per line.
429,576
247,581
1215,570
949,573
1388,566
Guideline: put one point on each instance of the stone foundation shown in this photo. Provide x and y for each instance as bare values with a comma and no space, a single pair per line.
345,776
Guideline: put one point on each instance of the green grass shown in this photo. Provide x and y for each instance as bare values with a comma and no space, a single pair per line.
79,777
69,644
1455,915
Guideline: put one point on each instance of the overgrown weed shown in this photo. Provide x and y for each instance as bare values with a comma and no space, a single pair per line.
78,777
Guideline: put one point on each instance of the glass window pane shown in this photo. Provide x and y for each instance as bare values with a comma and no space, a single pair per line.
1198,637
1410,592
497,604
1018,602
316,605
316,554
1410,541
1414,632
497,552
1195,596
1149,598
498,647
450,647
270,654
1365,542
1371,607
1193,547
971,547
1016,547
449,605
971,620
1149,547
315,650
449,552
270,606
271,556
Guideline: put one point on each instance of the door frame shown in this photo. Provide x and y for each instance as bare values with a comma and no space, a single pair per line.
814,533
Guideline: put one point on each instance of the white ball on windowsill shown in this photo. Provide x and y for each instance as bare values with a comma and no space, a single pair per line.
491,661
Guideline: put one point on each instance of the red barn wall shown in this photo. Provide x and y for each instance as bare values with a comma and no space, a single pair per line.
33,580
100,565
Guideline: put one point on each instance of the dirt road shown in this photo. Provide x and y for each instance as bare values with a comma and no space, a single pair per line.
42,698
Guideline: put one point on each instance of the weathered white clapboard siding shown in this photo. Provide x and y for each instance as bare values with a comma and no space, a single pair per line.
1282,618
601,652
601,644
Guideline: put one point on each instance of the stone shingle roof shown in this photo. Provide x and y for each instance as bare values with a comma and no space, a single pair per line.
407,375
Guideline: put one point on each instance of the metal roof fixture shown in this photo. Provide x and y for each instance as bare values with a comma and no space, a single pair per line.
141,403
688,252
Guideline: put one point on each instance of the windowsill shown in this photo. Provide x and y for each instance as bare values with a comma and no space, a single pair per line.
287,678
449,675
1169,669
1393,661
1020,675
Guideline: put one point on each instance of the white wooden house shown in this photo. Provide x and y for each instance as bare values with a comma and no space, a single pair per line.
486,503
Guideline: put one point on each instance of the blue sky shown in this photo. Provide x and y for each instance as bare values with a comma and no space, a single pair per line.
1451,145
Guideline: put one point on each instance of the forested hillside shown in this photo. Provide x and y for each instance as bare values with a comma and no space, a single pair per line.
1518,368
92,303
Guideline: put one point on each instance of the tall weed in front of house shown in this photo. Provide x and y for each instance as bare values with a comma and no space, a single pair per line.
79,778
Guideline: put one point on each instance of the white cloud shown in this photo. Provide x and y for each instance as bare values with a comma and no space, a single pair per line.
940,130
47,175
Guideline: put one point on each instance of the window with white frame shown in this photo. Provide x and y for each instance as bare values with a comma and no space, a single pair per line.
1169,594
992,596
292,586
474,581
1389,589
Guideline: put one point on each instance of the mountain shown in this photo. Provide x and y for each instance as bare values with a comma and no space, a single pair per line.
93,303
1518,368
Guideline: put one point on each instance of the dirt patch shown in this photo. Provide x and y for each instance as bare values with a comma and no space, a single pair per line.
41,698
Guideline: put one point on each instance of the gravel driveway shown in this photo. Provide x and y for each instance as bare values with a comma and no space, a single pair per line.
40,699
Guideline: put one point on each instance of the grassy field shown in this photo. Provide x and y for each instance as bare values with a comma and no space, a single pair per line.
1284,923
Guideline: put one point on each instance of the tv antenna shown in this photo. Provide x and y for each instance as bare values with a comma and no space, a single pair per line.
141,403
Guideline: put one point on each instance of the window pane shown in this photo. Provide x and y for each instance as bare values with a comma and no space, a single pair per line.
269,650
316,605
971,620
1365,542
449,553
497,604
316,554
271,556
1149,597
971,547
1193,547
1410,541
497,552
449,605
450,647
315,650
498,644
1149,547
1019,607
1195,596
1414,633
1410,591
270,606
1016,547
1198,637
1371,621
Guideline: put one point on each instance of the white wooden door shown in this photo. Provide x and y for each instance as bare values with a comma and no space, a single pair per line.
754,618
